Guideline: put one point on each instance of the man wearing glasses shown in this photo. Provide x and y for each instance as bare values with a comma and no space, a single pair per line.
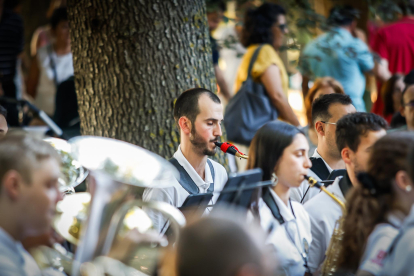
326,111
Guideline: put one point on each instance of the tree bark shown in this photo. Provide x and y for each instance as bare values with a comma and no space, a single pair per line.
132,59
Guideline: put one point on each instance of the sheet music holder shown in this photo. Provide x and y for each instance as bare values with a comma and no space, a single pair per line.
240,187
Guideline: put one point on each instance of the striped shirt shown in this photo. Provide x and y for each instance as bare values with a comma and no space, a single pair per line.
11,43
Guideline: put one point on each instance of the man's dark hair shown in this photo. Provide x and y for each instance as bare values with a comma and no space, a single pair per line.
3,112
320,107
215,246
342,16
187,103
351,127
258,24
60,14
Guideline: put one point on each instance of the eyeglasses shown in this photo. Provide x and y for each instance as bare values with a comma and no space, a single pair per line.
410,104
328,123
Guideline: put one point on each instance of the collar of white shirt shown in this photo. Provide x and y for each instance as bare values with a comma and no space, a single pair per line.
204,184
9,244
317,155
285,211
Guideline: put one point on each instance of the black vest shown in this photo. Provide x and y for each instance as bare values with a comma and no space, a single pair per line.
187,182
319,168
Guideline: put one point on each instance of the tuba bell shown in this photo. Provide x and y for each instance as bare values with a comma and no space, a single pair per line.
72,173
118,174
330,265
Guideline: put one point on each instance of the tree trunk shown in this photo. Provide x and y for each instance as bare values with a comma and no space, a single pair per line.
132,59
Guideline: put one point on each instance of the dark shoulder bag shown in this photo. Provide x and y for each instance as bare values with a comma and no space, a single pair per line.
249,109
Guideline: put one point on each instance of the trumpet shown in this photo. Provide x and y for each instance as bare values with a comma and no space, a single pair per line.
330,265
227,147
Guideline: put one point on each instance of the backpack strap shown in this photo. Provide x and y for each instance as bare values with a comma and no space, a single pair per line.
213,174
319,168
185,179
253,60
271,203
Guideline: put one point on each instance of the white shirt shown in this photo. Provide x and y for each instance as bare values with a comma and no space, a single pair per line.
46,88
15,260
176,194
400,260
297,193
323,213
378,244
288,253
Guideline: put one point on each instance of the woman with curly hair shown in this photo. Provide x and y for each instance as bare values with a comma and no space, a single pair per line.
321,86
378,206
266,25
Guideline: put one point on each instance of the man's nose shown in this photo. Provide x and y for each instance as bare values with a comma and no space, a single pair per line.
217,130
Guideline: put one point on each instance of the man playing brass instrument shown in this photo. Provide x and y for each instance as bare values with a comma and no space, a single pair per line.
198,113
355,135
29,172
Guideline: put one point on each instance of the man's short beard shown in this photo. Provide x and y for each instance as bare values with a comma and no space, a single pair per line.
199,145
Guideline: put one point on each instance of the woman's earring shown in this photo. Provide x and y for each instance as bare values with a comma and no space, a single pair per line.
408,188
274,179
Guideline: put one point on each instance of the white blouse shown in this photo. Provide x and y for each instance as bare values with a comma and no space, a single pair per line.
378,244
290,239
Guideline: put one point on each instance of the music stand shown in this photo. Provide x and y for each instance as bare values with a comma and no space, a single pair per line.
240,187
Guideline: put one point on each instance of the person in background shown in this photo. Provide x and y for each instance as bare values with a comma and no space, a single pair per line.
52,65
407,104
11,51
321,86
338,53
3,122
42,36
395,43
356,133
326,111
266,26
391,94
377,207
281,151
399,258
215,10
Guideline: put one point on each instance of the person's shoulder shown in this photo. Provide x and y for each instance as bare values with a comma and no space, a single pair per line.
317,203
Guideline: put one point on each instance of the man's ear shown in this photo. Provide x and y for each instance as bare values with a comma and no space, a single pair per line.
346,155
11,184
320,128
185,125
